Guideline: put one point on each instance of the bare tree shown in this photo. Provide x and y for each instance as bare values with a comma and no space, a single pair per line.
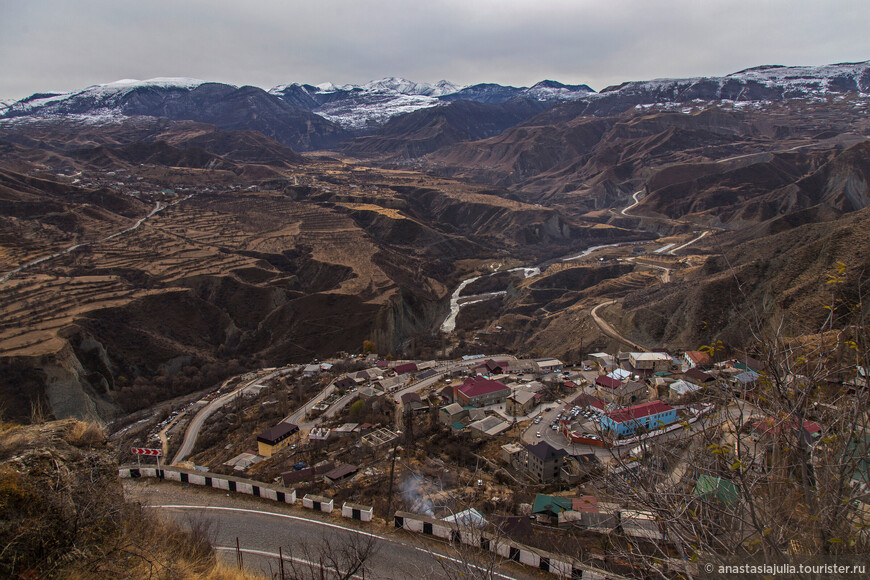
777,471
331,557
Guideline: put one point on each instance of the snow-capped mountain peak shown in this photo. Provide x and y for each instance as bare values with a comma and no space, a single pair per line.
161,82
406,87
105,97
360,106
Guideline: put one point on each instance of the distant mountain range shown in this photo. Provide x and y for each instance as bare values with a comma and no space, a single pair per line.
306,117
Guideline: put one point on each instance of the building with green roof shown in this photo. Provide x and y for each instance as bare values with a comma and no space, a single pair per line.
723,489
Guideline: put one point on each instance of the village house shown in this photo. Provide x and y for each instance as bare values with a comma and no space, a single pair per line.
366,374
766,429
311,370
405,368
640,524
650,362
488,427
479,392
588,513
545,461
514,455
625,393
340,473
276,438
696,358
345,383
680,387
451,413
491,367
549,365
411,402
346,430
547,508
446,394
521,402
603,360
646,415
698,376
370,393
604,383
391,383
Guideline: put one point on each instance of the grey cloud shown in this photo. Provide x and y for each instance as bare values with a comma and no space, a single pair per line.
61,45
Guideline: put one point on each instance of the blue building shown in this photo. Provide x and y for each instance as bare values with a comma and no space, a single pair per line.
647,415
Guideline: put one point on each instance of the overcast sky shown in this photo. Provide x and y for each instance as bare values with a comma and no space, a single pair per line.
62,45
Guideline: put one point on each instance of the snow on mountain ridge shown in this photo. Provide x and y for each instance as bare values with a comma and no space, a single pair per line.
370,104
162,82
407,87
810,79
102,97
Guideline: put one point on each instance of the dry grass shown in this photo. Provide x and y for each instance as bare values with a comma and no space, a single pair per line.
65,467
85,434
12,439
224,571
151,547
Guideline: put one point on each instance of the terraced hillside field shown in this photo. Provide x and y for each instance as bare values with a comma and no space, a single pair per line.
185,273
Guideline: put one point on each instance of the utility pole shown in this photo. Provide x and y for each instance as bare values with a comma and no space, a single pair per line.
392,473
409,426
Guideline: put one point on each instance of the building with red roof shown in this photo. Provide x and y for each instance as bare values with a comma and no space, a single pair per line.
646,415
585,401
698,376
479,392
697,358
607,382
405,368
768,428
493,367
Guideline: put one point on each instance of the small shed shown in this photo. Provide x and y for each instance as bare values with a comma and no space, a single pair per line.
317,502
340,473
357,511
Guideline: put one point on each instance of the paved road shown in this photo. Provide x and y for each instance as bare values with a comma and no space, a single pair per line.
609,330
666,272
624,210
262,527
199,419
164,440
672,251
557,439
297,416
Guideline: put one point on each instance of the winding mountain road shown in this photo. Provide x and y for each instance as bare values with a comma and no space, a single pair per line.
158,207
262,528
609,330
624,211
199,419
672,251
